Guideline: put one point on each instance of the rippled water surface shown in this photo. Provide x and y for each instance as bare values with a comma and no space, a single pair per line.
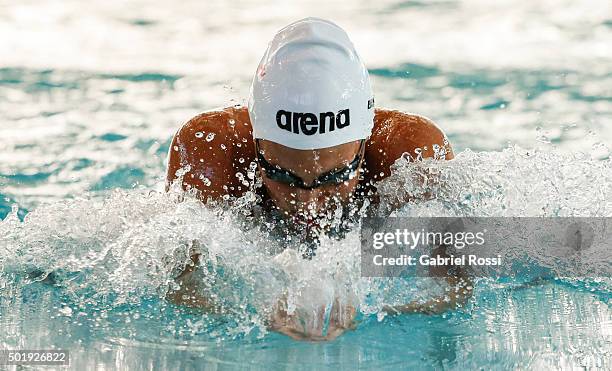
91,94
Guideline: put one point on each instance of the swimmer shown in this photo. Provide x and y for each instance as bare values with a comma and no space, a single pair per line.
312,129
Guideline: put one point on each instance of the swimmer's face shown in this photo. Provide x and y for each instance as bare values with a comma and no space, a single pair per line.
309,165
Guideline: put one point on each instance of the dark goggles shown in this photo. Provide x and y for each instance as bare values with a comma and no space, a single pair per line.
277,174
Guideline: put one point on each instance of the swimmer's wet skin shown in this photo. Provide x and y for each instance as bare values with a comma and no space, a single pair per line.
312,128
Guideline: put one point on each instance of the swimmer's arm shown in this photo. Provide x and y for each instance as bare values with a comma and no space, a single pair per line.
456,295
204,157
189,291
402,135
187,294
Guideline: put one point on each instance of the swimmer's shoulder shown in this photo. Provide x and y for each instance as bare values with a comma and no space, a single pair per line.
396,132
210,150
224,121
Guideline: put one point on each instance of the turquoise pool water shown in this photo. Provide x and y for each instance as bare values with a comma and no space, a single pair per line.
91,94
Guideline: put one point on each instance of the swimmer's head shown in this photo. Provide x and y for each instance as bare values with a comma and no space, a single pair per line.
311,107
311,90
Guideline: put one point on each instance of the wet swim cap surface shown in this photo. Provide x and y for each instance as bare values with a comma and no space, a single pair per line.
311,89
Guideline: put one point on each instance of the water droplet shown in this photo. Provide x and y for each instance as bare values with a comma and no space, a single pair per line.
241,160
199,134
419,153
175,148
210,137
182,171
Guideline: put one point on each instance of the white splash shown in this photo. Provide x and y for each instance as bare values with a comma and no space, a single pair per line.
132,244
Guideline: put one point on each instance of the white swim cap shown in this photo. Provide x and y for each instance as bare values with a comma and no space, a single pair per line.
311,89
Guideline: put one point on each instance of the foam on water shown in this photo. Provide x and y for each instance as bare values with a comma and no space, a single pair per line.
126,249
